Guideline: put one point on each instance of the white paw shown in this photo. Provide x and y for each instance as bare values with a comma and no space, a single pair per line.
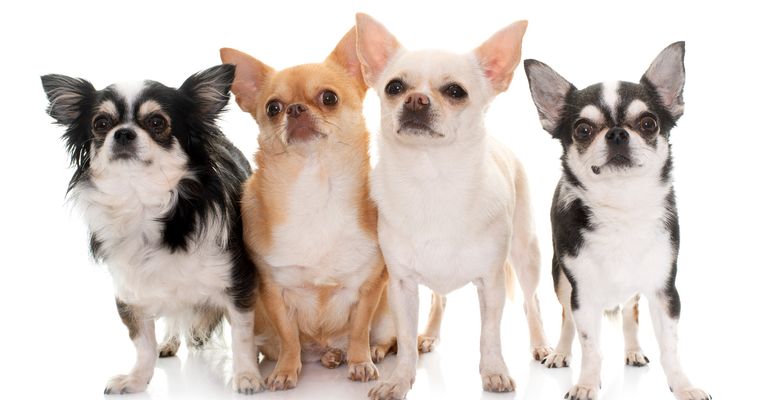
496,382
248,383
636,358
169,348
582,392
541,352
362,372
692,394
390,390
556,360
427,343
124,384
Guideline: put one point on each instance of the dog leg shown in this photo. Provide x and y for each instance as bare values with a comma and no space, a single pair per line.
526,259
633,354
360,364
588,320
404,304
561,357
665,326
246,377
493,370
141,330
286,373
431,336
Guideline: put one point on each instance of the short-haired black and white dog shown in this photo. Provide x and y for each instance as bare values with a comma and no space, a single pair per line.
159,186
614,222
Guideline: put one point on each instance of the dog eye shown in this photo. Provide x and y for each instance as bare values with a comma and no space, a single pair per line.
394,87
156,124
454,90
102,124
647,124
329,98
583,130
274,107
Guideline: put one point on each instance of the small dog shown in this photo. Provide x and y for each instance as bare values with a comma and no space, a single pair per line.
310,225
159,186
453,203
614,221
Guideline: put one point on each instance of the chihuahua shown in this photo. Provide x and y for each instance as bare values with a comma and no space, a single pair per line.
614,220
310,225
453,203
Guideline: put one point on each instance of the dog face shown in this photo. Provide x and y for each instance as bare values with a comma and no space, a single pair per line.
139,127
613,129
433,97
304,107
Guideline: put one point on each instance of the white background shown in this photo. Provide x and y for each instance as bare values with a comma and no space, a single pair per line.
61,335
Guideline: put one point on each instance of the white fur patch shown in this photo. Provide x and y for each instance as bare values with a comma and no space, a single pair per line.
130,92
108,107
635,108
611,96
592,113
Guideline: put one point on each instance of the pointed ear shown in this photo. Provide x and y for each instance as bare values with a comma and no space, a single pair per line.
250,77
66,97
375,47
345,56
667,76
210,88
500,55
549,91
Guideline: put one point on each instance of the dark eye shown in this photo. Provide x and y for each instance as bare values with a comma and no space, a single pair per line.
647,124
583,131
394,87
455,91
329,98
156,124
274,107
102,124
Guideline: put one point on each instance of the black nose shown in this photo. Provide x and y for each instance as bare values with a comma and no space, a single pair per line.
295,110
617,136
416,101
124,136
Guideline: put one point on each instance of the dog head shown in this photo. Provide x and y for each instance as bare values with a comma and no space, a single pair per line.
614,128
301,108
136,127
433,97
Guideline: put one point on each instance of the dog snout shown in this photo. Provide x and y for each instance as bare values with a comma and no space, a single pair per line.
617,137
124,136
417,102
295,110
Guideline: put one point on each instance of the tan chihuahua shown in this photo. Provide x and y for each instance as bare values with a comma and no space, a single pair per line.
309,222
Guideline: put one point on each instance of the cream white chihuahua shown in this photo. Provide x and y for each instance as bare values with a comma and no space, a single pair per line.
453,203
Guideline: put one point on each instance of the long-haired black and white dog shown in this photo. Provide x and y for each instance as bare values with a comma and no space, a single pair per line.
159,186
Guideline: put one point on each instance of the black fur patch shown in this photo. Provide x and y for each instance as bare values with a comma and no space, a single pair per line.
673,227
128,316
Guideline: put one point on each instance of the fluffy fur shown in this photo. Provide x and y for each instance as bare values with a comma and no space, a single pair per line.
453,203
614,220
159,187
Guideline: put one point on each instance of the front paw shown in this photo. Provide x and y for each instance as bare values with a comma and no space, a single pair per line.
124,384
427,343
541,352
556,360
332,358
390,390
636,358
283,378
363,371
497,382
248,383
692,394
582,392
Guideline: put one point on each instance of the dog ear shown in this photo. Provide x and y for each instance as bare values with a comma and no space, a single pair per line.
345,56
250,77
210,88
66,97
549,91
375,47
500,55
667,77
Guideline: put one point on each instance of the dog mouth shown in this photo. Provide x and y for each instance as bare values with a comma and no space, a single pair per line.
303,132
617,161
415,127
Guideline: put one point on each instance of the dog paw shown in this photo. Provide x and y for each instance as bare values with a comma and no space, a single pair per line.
332,358
169,347
378,353
692,394
582,392
636,358
389,391
427,343
499,383
124,384
556,360
363,372
283,378
247,383
541,352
